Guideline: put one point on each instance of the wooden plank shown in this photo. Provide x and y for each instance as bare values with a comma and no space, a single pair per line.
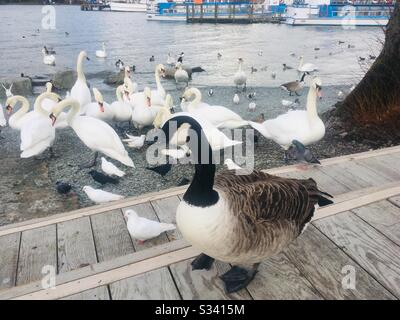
111,276
75,244
383,216
57,218
375,253
111,237
100,293
203,284
9,248
146,210
278,278
166,212
154,285
377,165
322,262
38,249
100,267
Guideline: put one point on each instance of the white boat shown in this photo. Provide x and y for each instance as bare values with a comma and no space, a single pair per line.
129,6
345,13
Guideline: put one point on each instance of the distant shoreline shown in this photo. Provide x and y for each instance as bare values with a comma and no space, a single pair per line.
39,3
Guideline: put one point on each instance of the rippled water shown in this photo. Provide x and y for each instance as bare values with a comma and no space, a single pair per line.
130,37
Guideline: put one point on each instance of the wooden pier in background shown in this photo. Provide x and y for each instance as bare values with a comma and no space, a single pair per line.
90,6
94,256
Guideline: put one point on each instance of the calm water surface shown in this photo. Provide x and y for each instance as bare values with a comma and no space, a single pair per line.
130,37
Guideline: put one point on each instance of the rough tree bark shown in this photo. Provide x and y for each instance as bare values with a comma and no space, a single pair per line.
372,110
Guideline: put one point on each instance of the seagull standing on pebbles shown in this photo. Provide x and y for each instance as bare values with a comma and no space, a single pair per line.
143,229
236,99
100,196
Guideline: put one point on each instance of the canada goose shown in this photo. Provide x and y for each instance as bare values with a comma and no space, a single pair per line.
294,86
240,219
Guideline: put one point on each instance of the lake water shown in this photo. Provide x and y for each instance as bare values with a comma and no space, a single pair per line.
130,37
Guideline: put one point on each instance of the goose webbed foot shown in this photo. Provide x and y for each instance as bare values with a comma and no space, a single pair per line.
238,278
202,261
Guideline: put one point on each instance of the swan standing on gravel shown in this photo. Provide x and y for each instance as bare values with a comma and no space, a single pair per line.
240,78
219,116
143,113
306,67
49,59
158,95
22,116
102,53
97,135
38,134
99,109
80,91
122,110
301,125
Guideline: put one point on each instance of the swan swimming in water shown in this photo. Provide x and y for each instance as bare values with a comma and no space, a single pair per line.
97,135
102,53
80,91
240,78
49,59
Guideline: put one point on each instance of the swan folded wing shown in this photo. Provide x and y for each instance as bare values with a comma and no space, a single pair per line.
259,198
36,132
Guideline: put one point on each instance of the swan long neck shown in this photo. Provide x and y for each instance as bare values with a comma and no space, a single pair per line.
118,93
196,101
312,103
79,68
38,102
24,107
301,62
74,104
158,81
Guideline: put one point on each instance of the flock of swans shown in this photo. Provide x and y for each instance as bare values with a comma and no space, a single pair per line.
93,121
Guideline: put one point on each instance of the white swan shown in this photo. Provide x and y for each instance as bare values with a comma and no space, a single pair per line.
302,125
240,78
99,109
22,116
181,75
101,53
163,113
143,115
219,116
38,134
170,60
3,121
47,104
306,67
94,133
122,110
128,79
158,95
48,59
80,91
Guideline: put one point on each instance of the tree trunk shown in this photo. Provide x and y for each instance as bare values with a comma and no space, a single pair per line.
372,110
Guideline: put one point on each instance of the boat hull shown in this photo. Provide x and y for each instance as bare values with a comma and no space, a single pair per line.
128,7
336,22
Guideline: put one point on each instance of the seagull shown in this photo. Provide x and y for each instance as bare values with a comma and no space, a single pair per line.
231,165
143,229
135,142
63,187
102,178
210,92
161,169
236,99
100,196
110,168
291,104
299,152
252,106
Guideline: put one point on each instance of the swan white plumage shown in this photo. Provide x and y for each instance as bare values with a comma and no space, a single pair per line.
94,133
22,116
219,116
128,80
170,60
80,91
158,95
302,125
100,196
102,53
110,168
164,113
3,121
181,75
49,59
122,110
48,104
38,134
143,114
306,67
240,78
99,109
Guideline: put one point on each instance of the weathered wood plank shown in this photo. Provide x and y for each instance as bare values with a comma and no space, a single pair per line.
377,165
383,216
278,278
100,293
203,284
9,248
38,249
146,210
375,253
154,285
166,212
75,244
111,237
322,262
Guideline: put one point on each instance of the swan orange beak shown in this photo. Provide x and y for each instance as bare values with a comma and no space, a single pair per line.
53,119
9,109
148,102
101,106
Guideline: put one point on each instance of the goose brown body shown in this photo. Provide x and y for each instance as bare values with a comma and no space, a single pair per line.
256,217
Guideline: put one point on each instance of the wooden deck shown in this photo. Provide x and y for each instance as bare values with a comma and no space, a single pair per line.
95,257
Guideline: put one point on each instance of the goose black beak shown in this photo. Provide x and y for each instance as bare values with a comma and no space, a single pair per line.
9,109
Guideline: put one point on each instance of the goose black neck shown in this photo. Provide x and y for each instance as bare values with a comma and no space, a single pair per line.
200,192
